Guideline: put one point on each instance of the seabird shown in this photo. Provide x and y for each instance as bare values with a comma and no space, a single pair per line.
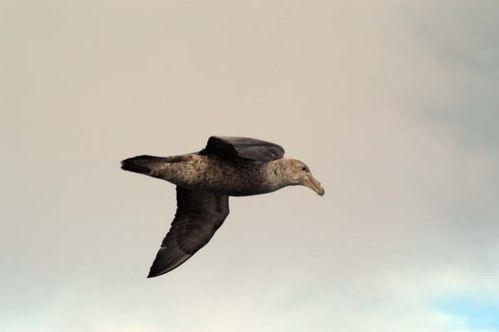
227,166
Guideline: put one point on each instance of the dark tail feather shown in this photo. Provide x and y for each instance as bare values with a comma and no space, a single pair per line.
143,164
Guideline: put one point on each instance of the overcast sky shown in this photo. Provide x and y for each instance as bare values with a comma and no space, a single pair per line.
392,104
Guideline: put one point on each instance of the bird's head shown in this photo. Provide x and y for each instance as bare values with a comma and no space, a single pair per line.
297,173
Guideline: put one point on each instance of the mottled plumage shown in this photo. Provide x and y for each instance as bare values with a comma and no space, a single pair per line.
227,166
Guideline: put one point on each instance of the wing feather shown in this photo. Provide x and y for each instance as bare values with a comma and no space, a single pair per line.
243,147
199,215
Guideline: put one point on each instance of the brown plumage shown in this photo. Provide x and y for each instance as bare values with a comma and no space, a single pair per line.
227,166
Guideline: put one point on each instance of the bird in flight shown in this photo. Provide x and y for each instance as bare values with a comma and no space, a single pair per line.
227,166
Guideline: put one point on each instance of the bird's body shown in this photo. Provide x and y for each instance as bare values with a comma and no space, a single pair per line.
228,166
215,174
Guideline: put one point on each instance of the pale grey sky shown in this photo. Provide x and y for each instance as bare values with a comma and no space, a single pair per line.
393,105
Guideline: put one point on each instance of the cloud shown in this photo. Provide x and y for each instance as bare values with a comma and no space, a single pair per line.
392,105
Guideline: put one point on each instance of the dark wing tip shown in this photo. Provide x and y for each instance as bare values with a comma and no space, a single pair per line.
157,269
167,259
152,274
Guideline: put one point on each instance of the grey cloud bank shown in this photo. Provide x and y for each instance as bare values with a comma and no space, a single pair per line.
392,104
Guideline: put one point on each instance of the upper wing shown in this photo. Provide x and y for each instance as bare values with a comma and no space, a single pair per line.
199,214
243,147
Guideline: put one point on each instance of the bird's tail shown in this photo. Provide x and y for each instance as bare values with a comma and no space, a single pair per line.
143,164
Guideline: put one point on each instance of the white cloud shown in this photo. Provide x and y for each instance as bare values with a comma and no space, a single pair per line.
364,93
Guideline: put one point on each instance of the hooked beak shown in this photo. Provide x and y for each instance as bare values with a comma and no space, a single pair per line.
313,184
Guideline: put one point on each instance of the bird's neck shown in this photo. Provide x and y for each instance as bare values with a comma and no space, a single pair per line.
276,175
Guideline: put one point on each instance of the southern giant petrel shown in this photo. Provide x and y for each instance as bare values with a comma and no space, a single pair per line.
227,166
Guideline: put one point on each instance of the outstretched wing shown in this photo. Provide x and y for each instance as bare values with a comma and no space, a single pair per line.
199,215
243,147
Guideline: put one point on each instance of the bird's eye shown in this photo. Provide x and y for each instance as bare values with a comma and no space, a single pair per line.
304,169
